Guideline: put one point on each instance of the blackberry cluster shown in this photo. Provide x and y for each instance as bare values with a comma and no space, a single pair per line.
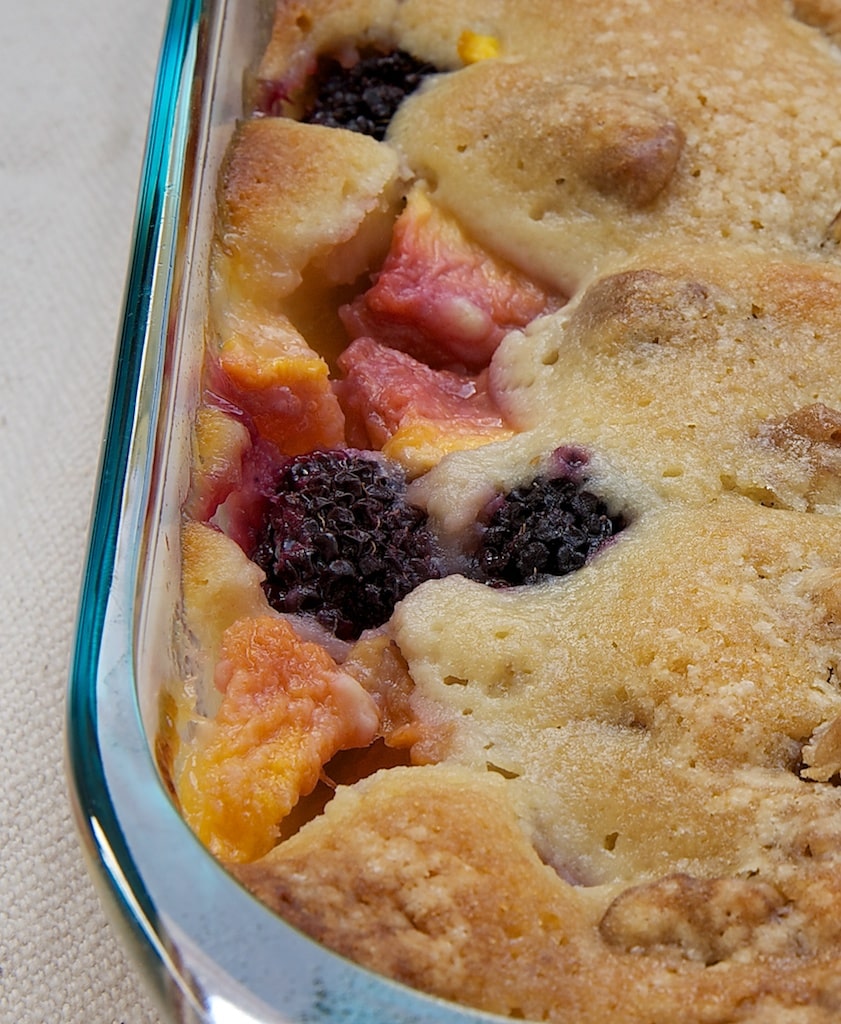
340,542
365,97
549,527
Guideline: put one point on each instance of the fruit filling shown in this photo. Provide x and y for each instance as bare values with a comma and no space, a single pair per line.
341,543
305,445
548,527
441,296
365,96
411,412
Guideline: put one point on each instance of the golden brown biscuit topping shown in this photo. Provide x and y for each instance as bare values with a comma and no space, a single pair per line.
595,246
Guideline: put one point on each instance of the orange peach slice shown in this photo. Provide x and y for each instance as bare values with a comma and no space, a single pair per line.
287,709
267,369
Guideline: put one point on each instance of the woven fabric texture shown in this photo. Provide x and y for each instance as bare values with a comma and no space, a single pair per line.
76,84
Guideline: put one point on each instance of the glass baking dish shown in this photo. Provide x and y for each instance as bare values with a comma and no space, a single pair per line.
210,951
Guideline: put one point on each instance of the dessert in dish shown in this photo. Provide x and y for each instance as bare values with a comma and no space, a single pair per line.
511,565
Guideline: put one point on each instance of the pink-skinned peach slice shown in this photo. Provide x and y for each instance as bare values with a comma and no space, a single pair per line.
442,297
286,709
240,517
266,368
410,411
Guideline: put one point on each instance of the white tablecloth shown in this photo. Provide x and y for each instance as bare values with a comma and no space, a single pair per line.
75,89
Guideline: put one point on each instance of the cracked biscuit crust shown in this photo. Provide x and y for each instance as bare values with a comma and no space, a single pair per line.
425,874
622,803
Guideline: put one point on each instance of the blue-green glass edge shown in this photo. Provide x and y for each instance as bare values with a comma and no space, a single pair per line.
88,786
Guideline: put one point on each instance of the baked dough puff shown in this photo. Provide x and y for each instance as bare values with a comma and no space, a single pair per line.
661,696
425,875
699,372
663,700
635,122
299,206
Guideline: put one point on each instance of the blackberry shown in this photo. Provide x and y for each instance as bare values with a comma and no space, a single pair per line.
365,96
340,542
549,527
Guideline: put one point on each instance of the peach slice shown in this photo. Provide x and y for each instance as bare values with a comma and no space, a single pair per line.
296,197
286,709
413,413
264,366
441,296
